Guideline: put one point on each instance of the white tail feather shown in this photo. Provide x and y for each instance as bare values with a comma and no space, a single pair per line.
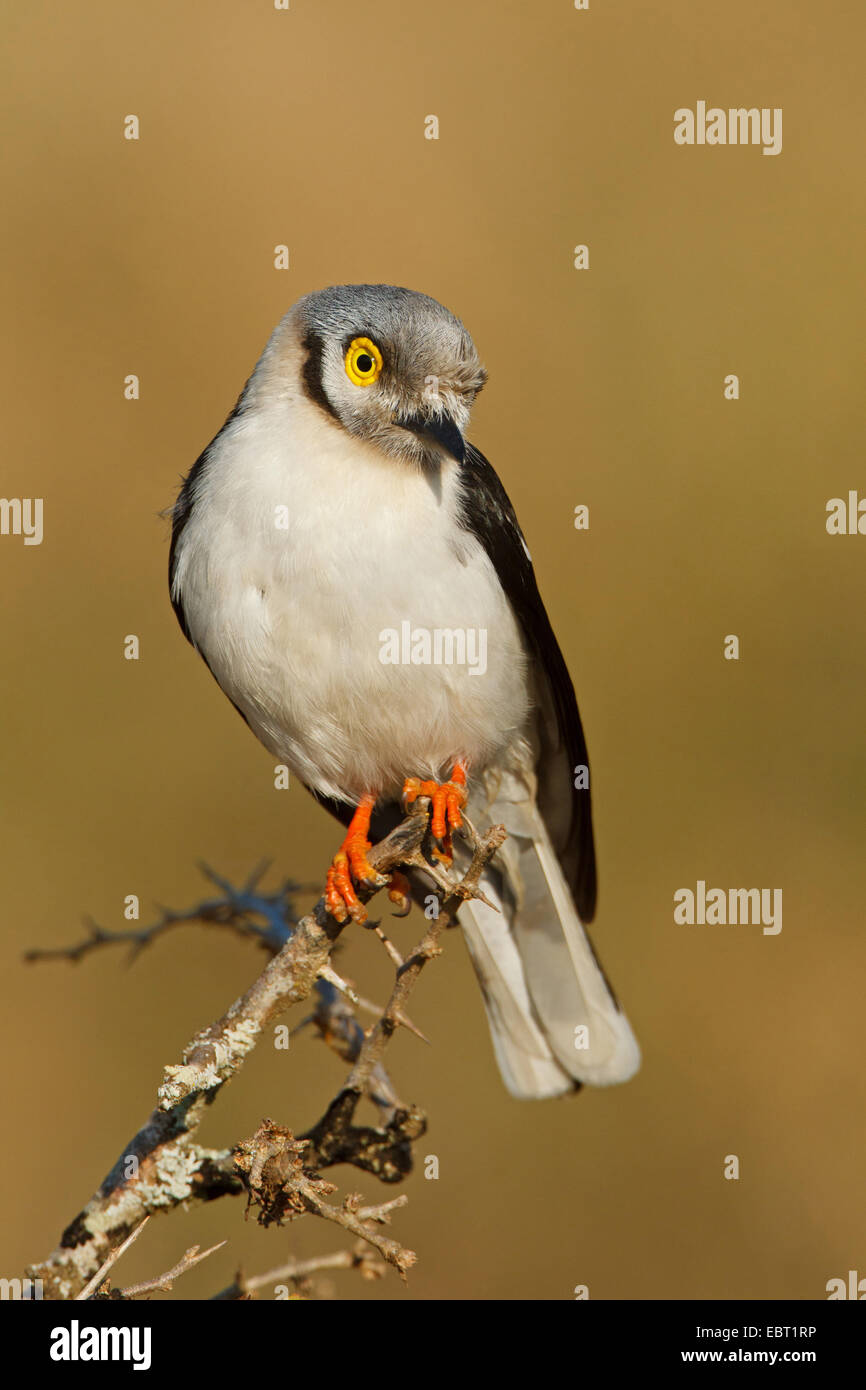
552,1017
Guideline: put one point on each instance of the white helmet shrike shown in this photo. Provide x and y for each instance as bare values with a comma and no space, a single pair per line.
353,573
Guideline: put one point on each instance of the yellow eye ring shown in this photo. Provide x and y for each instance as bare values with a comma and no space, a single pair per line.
363,362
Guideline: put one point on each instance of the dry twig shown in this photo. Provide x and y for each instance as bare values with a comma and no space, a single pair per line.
93,1289
162,1167
236,910
298,1272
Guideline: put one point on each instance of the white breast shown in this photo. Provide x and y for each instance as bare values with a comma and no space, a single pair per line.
304,549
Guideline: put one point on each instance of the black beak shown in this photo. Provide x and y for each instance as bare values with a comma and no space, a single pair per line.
440,429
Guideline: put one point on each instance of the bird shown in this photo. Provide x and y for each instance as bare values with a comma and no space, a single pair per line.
353,573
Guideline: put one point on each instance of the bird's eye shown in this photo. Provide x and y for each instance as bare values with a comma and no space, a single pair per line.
363,362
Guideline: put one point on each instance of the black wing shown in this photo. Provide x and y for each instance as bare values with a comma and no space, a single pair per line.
182,509
489,515
180,515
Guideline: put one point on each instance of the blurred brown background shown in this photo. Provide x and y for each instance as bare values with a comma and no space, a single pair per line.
606,388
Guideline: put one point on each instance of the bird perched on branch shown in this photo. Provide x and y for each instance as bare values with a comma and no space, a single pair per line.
353,573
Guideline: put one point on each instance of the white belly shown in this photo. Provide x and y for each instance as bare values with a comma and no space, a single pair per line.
294,621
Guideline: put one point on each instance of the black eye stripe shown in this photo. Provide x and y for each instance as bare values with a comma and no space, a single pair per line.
312,372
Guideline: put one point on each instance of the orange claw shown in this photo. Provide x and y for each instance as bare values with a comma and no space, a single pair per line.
351,863
399,892
448,799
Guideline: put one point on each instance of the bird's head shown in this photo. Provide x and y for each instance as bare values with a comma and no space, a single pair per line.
391,366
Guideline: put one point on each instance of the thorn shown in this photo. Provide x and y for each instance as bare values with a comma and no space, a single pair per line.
329,974
483,898
406,1022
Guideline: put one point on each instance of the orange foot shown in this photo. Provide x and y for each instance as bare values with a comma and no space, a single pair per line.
351,862
448,800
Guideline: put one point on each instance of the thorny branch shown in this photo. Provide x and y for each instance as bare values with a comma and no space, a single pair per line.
161,1282
235,910
162,1167
360,1257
